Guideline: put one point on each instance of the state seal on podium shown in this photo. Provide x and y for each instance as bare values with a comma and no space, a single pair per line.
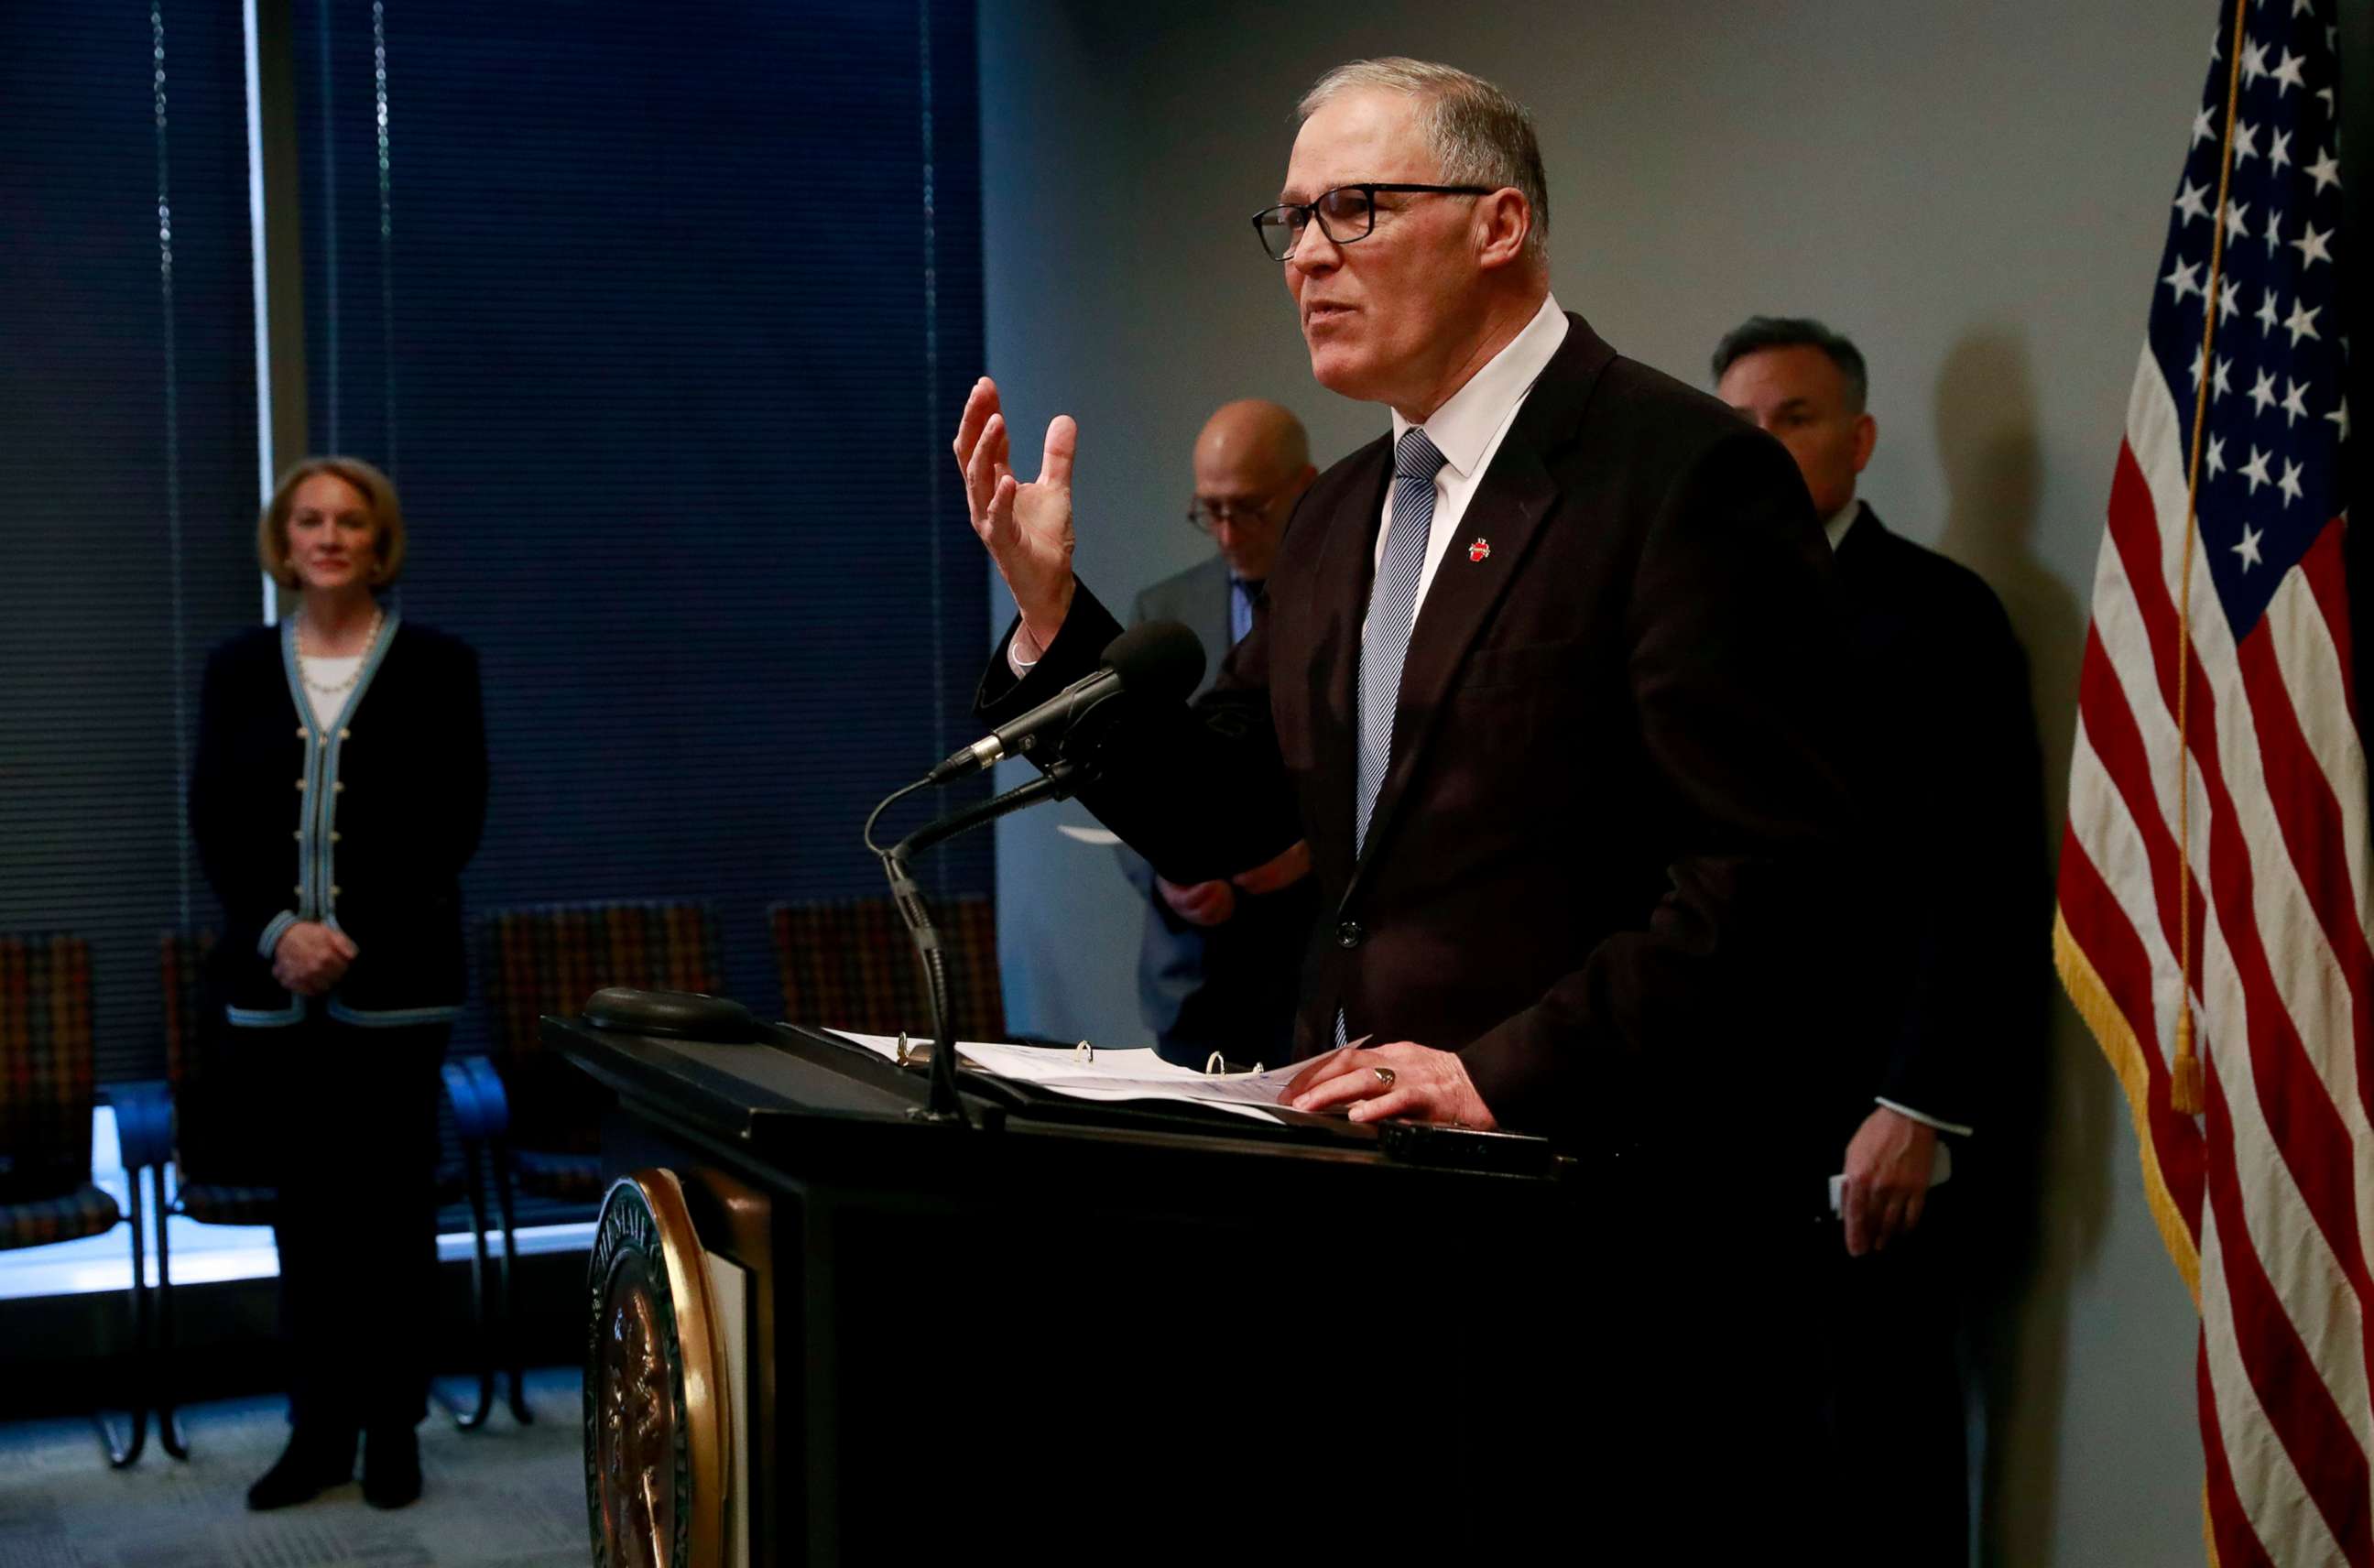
657,1463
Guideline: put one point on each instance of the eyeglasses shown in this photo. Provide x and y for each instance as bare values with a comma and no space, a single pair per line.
1209,515
1344,213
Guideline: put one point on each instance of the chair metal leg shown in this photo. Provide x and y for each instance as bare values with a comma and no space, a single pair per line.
123,1452
169,1420
481,1314
505,1180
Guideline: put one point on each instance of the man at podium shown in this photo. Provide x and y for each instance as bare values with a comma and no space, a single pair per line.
1538,676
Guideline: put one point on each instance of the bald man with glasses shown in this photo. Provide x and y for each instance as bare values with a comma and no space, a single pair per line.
1219,967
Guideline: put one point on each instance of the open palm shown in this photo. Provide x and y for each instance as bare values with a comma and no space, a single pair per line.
1027,527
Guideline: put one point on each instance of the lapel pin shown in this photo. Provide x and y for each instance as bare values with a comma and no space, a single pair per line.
1480,551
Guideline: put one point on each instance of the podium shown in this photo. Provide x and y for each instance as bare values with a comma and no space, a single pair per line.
1063,1321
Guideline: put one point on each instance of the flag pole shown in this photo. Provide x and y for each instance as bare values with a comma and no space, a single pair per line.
2354,45
2186,1093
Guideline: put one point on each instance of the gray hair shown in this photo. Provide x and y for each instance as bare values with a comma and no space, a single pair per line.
1480,135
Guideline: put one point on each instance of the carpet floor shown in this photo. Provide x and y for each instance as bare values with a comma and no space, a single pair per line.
505,1496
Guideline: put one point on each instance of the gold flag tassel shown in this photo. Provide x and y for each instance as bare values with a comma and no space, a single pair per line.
2184,1086
2186,1091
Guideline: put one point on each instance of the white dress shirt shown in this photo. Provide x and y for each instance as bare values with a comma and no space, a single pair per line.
1468,431
1835,527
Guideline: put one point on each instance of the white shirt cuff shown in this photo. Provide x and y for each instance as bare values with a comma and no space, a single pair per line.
1926,1121
1014,659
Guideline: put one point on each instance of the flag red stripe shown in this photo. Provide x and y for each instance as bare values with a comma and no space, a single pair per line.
2110,727
2229,1523
2309,814
2291,1389
2098,924
2295,1099
2326,568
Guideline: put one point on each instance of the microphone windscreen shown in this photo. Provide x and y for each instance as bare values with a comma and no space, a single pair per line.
1162,659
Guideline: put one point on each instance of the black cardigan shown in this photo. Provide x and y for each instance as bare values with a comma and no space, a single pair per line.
365,826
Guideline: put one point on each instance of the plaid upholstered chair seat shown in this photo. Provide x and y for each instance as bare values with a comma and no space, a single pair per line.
37,1223
48,1090
48,1095
547,958
223,1203
573,1178
848,964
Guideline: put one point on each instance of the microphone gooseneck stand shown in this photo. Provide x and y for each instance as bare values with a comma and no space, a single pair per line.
1055,784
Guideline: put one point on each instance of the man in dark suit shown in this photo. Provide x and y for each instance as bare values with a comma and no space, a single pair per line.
1539,678
1560,851
1947,983
1222,959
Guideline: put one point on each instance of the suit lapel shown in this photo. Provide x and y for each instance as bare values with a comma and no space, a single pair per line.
1211,620
1346,565
1505,513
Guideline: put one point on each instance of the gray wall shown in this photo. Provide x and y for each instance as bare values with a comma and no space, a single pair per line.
1976,192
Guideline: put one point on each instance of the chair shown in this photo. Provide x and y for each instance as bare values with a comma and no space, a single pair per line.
537,1115
848,964
208,1188
48,1092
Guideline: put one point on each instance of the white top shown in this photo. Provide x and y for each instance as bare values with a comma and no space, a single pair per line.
1468,431
333,673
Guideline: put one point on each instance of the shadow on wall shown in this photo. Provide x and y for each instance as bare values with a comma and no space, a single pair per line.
2054,1178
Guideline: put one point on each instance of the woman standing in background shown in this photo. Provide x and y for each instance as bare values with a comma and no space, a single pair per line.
337,792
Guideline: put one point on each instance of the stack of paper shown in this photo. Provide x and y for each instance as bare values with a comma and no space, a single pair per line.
1110,1075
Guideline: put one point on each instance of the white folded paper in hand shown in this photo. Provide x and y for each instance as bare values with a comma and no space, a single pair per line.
1941,1165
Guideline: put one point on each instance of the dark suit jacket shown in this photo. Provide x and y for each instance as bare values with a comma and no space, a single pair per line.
375,840
1231,987
1948,975
1617,780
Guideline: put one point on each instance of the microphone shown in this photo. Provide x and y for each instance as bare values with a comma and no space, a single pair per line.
1161,661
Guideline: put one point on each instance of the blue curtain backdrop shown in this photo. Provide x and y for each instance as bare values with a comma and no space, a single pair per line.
127,469
660,316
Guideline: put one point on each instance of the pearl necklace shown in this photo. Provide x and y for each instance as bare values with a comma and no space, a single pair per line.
332,688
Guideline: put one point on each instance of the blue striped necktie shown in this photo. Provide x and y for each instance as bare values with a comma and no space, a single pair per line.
1393,610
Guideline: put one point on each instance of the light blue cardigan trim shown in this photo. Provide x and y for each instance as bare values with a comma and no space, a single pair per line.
261,1017
317,820
316,854
391,1018
274,932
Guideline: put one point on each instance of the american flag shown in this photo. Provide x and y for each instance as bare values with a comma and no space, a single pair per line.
2266,1197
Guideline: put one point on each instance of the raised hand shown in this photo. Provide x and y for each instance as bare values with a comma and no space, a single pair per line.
1027,527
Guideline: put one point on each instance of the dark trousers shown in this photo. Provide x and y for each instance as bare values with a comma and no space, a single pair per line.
356,1226
1893,1401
